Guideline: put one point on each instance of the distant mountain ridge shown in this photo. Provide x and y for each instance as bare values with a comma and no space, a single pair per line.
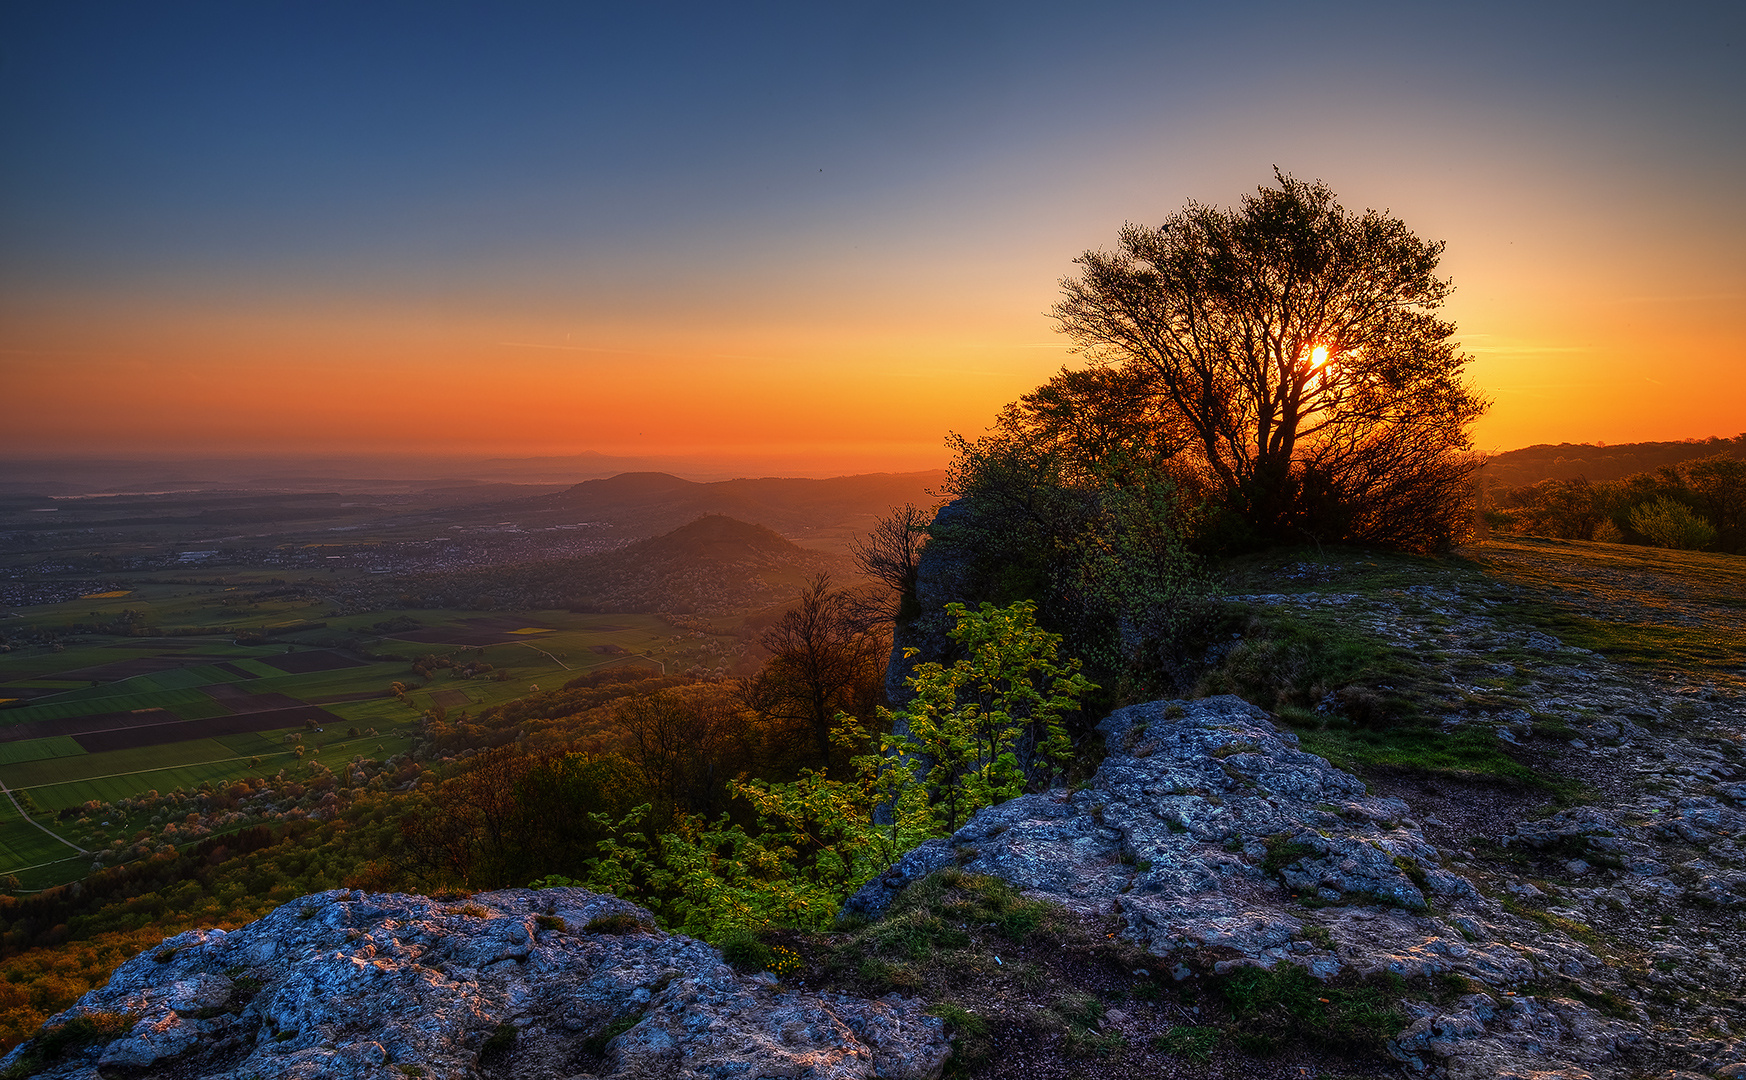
828,512
1568,461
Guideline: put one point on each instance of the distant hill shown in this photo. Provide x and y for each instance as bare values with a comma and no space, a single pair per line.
1567,461
713,565
712,538
817,513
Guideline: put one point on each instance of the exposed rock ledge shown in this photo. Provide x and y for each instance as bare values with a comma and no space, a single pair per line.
1218,842
348,985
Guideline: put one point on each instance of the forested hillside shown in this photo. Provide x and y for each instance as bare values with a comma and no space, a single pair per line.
1596,463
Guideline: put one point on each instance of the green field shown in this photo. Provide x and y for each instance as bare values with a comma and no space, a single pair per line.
55,773
255,667
117,774
188,704
27,776
13,753
22,665
37,858
187,678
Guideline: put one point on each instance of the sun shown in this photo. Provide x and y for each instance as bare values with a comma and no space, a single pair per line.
1318,356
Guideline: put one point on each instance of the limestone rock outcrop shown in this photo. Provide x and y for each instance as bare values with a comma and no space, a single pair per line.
522,983
1219,844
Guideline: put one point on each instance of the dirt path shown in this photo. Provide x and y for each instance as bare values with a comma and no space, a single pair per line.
38,824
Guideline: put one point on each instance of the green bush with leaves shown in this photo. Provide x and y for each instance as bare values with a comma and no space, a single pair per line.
976,732
816,839
1694,504
1669,523
1073,501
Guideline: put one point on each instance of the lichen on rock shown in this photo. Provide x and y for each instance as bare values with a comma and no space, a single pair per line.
346,984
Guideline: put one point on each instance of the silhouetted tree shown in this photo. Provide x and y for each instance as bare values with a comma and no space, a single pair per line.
1719,484
686,742
823,661
889,555
1296,345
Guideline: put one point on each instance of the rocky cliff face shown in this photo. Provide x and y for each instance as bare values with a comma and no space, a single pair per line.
942,577
559,982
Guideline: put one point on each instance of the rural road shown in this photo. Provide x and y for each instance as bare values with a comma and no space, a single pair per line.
39,824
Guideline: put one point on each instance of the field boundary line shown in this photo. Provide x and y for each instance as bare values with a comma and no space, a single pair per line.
39,866
633,656
13,799
543,653
139,772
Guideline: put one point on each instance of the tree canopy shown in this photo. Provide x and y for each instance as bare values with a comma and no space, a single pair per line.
1295,349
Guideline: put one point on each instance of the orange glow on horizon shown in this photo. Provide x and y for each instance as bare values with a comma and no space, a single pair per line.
868,398
868,374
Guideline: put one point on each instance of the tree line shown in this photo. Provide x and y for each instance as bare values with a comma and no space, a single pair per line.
1697,505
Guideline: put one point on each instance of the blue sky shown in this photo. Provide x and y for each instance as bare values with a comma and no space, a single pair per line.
734,203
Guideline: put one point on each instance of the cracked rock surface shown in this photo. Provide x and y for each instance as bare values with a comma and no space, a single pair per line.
351,985
1217,841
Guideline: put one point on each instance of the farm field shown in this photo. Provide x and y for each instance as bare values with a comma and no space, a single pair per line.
37,858
107,714
54,784
38,749
63,782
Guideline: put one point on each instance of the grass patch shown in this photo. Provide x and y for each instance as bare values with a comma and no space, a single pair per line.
1194,1043
1298,659
499,1044
1083,1015
1271,1010
971,1046
1464,753
1282,851
595,1045
55,1043
1634,585
745,951
619,922
1642,644
1580,931
930,915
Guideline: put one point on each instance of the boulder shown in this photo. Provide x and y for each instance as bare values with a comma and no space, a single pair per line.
522,983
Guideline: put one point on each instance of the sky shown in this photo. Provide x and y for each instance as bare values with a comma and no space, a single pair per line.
811,238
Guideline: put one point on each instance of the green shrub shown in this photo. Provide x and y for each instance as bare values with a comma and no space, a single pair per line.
1291,661
745,951
56,1042
1274,1009
618,922
1669,523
